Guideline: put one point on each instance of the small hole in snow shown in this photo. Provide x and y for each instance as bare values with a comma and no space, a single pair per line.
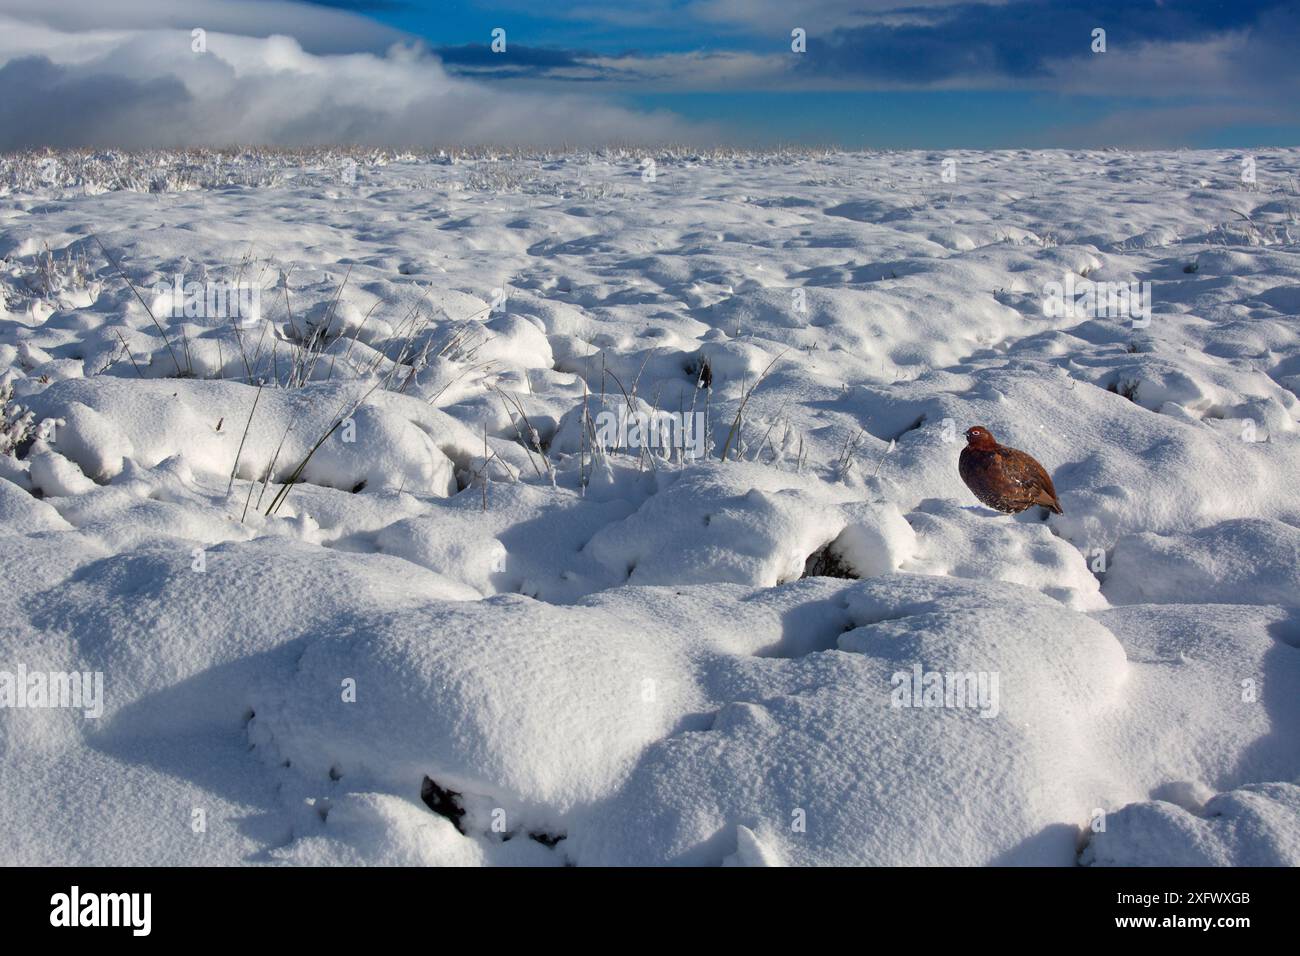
825,563
546,839
445,803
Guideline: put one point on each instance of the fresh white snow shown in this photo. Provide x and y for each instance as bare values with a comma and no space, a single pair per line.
615,656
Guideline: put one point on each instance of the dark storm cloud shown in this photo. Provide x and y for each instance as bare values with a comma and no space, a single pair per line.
59,107
1017,40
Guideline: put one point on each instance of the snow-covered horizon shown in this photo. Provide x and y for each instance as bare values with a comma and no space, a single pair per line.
527,507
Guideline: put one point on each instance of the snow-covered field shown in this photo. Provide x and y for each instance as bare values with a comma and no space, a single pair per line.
484,625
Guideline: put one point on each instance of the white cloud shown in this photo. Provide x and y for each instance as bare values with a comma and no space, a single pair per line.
136,87
1171,68
318,29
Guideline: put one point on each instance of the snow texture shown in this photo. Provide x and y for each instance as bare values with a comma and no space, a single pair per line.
364,584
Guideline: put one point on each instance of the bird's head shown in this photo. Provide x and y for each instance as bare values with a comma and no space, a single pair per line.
977,436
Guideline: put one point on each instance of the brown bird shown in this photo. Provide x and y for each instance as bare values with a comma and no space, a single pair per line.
1005,479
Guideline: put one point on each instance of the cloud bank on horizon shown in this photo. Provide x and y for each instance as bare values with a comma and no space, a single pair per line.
403,73
155,83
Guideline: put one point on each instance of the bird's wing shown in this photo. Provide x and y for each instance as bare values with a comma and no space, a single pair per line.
1025,471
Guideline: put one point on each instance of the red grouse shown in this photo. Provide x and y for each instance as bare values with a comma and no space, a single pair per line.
1005,479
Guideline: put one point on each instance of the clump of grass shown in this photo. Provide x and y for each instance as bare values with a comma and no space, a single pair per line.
53,276
534,438
483,475
844,464
746,395
17,425
189,368
346,411
247,425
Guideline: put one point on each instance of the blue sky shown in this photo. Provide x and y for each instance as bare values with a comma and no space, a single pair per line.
907,74
932,74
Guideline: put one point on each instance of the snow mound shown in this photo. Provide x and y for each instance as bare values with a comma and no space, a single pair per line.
966,542
1246,561
1251,826
718,524
542,706
1213,693
20,513
782,731
390,441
